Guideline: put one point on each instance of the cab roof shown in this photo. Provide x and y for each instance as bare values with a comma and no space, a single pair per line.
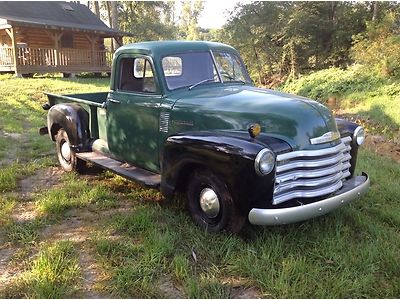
163,48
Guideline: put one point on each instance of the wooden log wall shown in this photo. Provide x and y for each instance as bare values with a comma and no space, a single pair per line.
5,40
39,38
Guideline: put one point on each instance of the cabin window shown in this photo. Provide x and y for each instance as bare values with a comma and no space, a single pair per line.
136,75
172,66
67,40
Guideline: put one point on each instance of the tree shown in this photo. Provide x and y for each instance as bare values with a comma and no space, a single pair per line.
191,11
147,20
288,38
379,46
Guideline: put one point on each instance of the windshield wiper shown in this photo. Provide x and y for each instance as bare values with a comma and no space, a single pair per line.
200,82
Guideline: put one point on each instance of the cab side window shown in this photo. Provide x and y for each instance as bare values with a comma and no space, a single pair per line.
136,75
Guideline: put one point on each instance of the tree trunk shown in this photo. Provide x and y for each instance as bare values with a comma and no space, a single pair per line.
376,11
114,14
108,6
96,8
114,20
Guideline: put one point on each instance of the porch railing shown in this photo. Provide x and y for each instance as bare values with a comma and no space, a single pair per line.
6,57
77,59
63,57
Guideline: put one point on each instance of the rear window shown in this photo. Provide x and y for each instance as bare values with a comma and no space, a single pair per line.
172,66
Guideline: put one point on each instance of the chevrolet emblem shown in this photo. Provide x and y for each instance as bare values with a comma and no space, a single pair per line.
325,138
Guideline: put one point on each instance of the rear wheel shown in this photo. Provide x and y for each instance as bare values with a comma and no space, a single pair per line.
210,203
66,156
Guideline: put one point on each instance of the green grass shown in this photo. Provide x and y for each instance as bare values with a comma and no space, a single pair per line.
137,261
74,193
10,174
24,232
359,92
53,273
22,115
140,242
350,253
7,204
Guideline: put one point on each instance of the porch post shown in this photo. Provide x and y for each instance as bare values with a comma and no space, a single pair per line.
56,38
92,40
12,33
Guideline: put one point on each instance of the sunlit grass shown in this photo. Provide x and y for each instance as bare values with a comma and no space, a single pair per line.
23,232
53,273
74,193
7,204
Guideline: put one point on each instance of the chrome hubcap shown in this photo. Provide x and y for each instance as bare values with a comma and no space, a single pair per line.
209,202
66,151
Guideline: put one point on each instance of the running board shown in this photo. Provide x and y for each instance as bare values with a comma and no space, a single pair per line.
137,174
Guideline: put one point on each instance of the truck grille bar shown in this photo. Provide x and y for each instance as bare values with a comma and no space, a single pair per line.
311,173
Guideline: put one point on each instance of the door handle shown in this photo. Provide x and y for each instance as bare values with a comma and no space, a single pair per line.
114,101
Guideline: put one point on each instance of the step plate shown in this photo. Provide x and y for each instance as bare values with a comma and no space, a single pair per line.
139,175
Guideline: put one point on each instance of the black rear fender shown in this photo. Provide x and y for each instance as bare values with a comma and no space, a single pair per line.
74,120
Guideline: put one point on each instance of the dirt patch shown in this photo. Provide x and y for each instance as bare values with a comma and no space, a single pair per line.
91,273
13,135
41,180
382,146
246,293
24,212
77,228
169,290
73,229
9,270
375,142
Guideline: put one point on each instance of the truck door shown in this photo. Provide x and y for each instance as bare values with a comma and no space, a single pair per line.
133,111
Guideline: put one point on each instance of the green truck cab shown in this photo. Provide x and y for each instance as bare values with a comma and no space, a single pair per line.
185,117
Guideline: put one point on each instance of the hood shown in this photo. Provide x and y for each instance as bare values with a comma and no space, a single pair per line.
288,117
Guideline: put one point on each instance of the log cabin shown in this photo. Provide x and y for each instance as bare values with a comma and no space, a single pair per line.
53,37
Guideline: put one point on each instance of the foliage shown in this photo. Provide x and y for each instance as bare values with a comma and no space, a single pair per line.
366,94
146,20
287,38
379,46
188,28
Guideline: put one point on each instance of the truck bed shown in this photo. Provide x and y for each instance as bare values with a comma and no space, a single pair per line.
93,103
91,99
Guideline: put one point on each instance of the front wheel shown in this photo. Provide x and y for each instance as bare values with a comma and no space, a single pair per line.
66,156
210,203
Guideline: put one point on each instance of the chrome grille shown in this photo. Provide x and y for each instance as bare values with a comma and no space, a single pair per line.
312,173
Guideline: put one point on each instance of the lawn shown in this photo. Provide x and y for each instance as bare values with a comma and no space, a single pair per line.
65,236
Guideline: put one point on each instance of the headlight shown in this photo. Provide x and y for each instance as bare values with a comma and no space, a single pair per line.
359,135
264,162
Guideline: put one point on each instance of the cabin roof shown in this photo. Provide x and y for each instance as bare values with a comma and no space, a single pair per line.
55,15
162,48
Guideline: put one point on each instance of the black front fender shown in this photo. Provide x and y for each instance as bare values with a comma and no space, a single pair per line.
74,120
230,155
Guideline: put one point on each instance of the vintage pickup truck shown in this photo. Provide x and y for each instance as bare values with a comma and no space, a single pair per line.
185,116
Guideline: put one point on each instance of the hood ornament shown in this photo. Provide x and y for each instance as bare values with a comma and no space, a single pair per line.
325,138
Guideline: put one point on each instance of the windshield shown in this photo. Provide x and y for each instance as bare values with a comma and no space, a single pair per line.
187,69
196,68
230,67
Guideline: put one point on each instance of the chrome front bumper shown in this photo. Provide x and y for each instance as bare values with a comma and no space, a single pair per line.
352,189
